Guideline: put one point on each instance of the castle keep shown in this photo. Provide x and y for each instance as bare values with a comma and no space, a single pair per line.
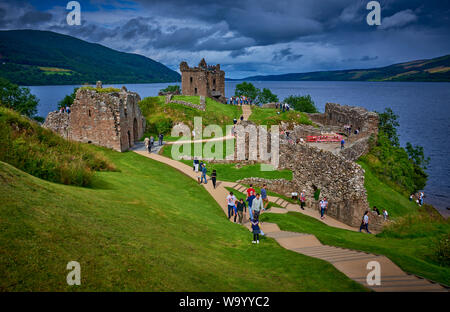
205,80
109,119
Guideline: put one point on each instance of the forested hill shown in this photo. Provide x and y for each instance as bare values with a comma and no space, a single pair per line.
436,69
33,57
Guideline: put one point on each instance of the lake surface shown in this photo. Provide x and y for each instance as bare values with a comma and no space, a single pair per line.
423,109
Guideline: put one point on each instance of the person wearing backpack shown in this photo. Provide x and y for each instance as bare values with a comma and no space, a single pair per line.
256,230
214,177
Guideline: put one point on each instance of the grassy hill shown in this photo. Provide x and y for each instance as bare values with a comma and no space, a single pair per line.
161,117
146,227
33,57
38,151
436,69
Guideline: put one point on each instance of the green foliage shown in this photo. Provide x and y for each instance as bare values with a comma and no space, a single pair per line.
271,116
260,97
101,90
17,98
403,169
68,99
160,117
442,250
317,194
26,52
171,89
266,96
247,89
40,152
302,103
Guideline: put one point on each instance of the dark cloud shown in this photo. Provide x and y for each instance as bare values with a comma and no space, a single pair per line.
294,35
285,54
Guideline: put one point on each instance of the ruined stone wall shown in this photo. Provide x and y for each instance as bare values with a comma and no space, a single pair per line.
340,180
113,120
201,106
340,115
208,81
58,122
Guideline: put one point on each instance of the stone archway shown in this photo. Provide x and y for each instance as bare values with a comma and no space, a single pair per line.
135,130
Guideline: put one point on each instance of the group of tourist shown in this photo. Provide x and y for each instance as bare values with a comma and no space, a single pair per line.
240,100
63,110
200,166
418,198
149,142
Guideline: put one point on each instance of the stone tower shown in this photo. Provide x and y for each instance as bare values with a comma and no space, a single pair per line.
205,80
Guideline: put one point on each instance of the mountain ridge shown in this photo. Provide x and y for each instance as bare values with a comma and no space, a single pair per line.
427,70
35,57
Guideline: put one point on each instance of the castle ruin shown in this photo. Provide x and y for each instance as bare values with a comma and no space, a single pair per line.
205,80
110,119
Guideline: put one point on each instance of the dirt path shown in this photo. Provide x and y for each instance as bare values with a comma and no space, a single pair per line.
352,263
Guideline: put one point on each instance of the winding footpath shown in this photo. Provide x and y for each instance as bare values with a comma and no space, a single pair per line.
352,263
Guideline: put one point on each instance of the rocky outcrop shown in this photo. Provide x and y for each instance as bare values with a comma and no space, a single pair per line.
59,123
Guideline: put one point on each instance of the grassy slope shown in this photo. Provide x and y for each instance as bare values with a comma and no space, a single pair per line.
229,172
409,244
270,116
146,227
155,110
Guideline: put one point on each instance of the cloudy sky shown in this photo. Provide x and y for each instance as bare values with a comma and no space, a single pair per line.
250,37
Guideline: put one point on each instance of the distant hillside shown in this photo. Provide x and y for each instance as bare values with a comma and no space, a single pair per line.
436,69
32,57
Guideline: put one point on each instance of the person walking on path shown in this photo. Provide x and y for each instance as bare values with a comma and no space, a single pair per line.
256,230
365,223
264,196
214,177
161,137
147,144
323,207
250,197
196,164
152,141
231,200
204,170
240,210
302,200
257,206
342,144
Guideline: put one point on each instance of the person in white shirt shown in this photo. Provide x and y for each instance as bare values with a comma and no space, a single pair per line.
365,223
385,214
323,207
231,202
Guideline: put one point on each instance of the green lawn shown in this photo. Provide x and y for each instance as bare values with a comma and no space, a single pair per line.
229,172
145,227
270,116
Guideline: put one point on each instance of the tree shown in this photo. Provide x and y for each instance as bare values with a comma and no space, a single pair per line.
17,98
388,123
266,96
247,89
172,89
417,155
68,99
302,103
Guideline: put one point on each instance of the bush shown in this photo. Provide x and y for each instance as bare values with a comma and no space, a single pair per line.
40,152
172,89
247,89
302,103
403,169
442,250
17,98
68,99
266,96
